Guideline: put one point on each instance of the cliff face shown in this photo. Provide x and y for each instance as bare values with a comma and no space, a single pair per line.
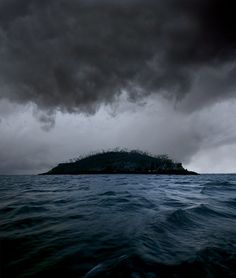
114,162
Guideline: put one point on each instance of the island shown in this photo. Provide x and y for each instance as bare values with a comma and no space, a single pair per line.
120,162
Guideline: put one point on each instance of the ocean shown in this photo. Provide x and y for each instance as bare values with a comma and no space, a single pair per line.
118,226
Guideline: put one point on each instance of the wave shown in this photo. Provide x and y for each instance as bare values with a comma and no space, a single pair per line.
181,217
209,262
118,226
218,186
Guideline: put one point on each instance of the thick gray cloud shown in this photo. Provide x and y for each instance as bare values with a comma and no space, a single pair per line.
60,56
74,55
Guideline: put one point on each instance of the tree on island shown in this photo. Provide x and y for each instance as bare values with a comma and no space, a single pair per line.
118,161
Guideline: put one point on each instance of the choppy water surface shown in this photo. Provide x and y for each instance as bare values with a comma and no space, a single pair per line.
118,226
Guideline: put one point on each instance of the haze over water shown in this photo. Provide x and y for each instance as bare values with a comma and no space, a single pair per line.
118,226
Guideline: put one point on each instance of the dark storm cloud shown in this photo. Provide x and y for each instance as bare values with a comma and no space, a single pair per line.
75,55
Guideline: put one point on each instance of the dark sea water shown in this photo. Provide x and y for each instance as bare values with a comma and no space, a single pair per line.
118,226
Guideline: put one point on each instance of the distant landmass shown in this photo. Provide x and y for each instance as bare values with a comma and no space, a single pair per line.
121,162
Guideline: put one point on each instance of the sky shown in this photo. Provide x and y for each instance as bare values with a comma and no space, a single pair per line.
78,76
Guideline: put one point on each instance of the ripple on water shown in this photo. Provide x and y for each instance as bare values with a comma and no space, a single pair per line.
118,226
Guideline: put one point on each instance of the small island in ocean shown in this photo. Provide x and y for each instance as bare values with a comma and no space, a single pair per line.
121,162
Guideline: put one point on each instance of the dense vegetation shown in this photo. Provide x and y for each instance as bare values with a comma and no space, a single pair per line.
114,162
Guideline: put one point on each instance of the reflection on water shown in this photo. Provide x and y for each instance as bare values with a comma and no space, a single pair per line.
118,226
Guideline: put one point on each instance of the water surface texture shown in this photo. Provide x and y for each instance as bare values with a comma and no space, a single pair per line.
118,226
